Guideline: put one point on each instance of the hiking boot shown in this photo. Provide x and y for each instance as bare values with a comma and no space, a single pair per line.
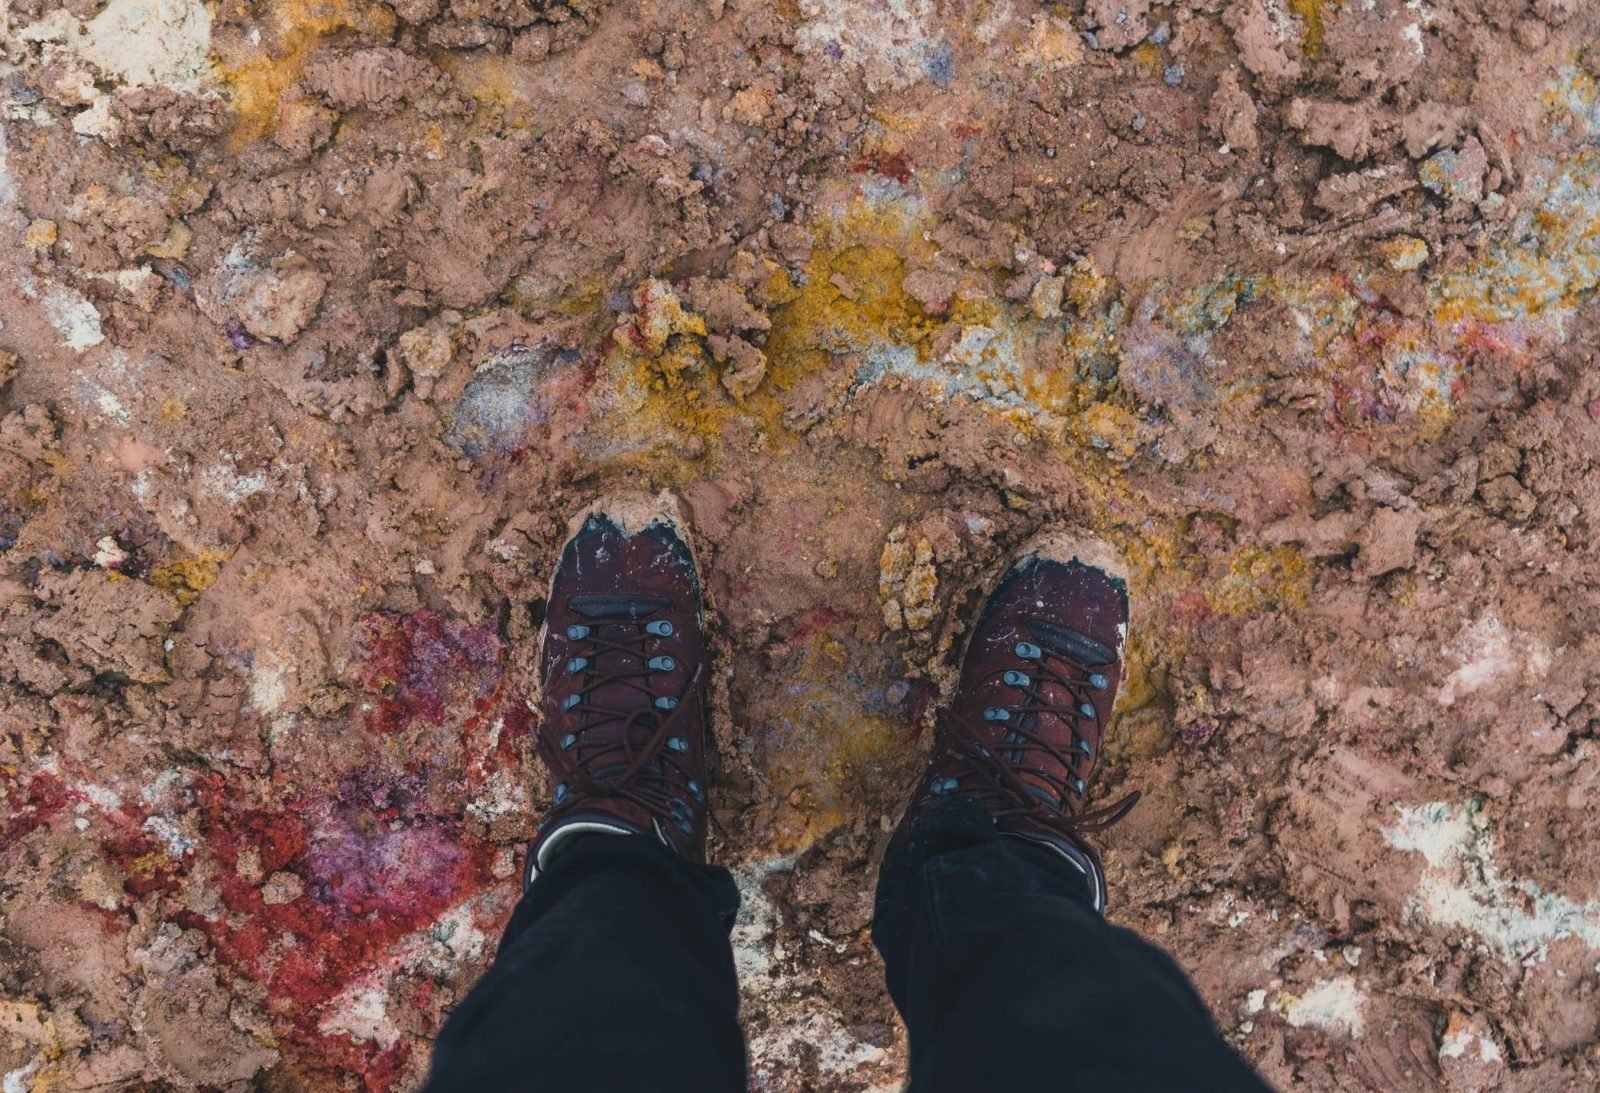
622,662
1039,679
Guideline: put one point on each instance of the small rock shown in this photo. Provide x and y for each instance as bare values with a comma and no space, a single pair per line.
1353,193
1120,24
932,289
1045,298
1470,1057
304,125
1457,176
108,553
1404,252
1388,541
282,887
248,865
1233,113
1346,128
1531,34
744,365
425,353
415,11
278,306
501,403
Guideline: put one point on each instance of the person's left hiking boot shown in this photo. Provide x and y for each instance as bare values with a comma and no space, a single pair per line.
1024,733
622,662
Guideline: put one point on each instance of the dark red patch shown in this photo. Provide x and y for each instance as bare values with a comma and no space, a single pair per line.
423,667
44,796
376,868
893,165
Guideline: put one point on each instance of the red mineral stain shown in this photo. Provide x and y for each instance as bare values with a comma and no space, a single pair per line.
894,165
44,796
376,866
422,667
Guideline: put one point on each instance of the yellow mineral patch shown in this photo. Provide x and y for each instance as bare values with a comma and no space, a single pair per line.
582,296
1555,266
40,236
1112,429
187,578
849,297
1052,44
1262,579
503,87
259,73
1313,15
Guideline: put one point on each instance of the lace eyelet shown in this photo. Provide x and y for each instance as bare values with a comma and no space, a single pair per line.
661,664
666,702
995,713
577,633
576,665
661,628
571,701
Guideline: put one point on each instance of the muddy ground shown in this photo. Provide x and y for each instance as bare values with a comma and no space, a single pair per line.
320,316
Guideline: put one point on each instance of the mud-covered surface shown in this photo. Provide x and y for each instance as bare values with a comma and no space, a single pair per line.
320,316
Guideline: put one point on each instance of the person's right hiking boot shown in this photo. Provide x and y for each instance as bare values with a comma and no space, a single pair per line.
1040,676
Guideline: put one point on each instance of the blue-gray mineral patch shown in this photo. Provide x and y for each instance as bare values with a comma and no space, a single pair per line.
502,402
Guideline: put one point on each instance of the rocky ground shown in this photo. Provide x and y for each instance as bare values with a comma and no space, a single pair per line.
320,316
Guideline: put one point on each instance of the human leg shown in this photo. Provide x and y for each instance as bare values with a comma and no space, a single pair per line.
990,899
615,972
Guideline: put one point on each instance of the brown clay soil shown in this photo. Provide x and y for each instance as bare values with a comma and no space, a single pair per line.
320,316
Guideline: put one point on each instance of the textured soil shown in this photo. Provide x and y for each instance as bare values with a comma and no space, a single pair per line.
320,317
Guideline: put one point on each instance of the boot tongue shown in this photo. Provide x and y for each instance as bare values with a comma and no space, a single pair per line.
1048,727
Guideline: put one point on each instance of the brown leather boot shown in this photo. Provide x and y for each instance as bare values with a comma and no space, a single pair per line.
622,660
1037,685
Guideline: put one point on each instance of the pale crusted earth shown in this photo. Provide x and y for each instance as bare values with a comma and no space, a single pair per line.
320,316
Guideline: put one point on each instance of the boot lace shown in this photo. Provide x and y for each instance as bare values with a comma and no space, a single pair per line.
650,770
1010,779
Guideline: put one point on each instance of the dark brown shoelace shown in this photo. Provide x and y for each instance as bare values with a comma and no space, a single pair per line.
1008,784
647,772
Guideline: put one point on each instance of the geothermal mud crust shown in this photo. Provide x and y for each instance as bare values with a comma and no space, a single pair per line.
321,317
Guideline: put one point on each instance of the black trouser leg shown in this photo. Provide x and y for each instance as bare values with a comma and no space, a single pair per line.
615,974
1008,979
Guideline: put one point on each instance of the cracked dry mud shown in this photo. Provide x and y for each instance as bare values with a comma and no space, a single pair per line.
320,316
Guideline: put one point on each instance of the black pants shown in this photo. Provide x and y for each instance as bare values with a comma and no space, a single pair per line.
615,974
